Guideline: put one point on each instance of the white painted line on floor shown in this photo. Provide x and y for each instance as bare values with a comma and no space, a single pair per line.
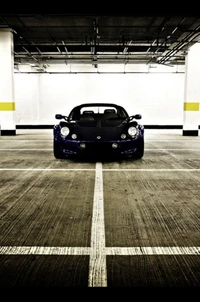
110,251
43,250
172,149
171,250
97,265
197,140
106,170
147,149
23,149
152,170
25,140
45,169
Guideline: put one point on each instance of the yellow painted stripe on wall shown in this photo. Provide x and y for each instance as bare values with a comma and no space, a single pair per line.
189,106
7,106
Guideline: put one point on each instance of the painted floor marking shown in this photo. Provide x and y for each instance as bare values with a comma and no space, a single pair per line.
43,250
148,250
146,149
172,149
148,138
25,140
23,149
108,170
110,251
153,170
97,265
172,139
46,169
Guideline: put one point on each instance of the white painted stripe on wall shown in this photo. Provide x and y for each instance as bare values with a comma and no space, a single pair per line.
109,251
97,265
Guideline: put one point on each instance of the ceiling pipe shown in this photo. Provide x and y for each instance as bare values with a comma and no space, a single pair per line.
188,39
167,38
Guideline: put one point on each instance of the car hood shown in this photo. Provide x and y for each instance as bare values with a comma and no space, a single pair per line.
95,130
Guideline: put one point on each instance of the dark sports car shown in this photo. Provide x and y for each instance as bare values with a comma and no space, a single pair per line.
98,129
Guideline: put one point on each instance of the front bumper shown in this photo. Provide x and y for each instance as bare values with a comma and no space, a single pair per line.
104,148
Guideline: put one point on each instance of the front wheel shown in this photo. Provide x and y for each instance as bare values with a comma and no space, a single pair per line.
140,150
56,151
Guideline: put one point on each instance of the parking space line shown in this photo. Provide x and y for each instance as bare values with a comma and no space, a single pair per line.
104,170
43,250
97,266
172,149
107,251
25,141
25,149
148,250
46,169
146,149
152,170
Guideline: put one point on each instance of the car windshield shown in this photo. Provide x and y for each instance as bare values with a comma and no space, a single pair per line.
98,111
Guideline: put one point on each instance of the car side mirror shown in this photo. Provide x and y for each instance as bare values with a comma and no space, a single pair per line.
58,116
137,116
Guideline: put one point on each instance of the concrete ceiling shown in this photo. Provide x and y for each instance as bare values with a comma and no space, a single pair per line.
44,39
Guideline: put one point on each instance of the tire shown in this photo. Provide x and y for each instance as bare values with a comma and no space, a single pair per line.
139,153
56,151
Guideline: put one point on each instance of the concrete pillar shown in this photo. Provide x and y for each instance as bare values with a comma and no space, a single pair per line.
7,104
191,117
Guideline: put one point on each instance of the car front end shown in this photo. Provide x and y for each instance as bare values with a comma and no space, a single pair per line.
99,138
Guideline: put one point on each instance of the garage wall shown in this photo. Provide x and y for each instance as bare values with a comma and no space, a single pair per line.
158,96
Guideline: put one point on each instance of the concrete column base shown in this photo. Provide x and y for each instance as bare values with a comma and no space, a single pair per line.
7,132
190,132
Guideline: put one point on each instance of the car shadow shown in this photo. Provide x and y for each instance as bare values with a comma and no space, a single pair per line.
100,158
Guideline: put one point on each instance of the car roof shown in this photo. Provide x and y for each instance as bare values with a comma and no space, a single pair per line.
98,105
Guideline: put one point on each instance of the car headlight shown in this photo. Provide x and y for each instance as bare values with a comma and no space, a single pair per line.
132,131
64,131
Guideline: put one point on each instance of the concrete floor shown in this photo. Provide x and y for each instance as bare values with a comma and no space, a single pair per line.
75,223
